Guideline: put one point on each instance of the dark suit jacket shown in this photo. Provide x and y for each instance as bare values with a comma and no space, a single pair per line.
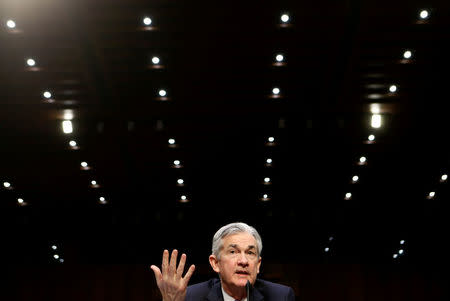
211,290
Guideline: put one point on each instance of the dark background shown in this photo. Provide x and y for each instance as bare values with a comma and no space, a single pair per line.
217,68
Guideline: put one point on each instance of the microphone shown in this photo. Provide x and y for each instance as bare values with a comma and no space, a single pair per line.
247,286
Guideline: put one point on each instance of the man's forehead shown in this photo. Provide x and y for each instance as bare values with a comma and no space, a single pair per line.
241,239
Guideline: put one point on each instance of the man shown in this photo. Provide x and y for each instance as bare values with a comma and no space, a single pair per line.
236,250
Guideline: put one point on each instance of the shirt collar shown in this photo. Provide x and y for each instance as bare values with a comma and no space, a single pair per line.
227,297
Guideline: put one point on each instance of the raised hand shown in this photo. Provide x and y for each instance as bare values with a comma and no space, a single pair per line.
170,282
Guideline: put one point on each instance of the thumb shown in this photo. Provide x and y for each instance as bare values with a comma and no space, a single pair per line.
157,272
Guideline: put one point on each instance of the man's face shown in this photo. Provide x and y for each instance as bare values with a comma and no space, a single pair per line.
238,261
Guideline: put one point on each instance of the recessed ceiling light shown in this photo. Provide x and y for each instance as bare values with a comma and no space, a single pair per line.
269,161
11,24
393,88
432,194
279,57
376,121
54,247
407,54
276,91
362,159
267,180
371,137
284,18
47,94
395,256
155,60
102,199
31,62
6,184
444,177
56,256
147,21
327,249
72,143
94,182
424,14
348,195
67,126
176,162
180,181
84,164
271,139
162,93
20,201
400,252
402,242
171,141
355,179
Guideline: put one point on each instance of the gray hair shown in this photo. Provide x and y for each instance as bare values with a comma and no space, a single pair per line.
217,243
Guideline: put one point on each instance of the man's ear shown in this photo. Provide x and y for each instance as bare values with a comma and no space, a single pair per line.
214,262
259,264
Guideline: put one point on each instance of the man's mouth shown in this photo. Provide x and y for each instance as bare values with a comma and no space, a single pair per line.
242,273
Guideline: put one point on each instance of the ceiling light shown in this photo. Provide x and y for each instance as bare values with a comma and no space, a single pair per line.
271,139
171,141
176,162
72,143
279,57
327,249
407,54
162,93
348,195
269,161
392,88
20,201
180,181
285,18
395,256
432,194
265,197
147,21
31,62
402,242
102,199
355,179
362,159
155,60
67,126
330,238
444,177
183,199
11,24
400,252
47,94
61,260
6,184
94,183
266,180
276,91
371,137
375,108
54,247
424,14
376,121
56,256
84,164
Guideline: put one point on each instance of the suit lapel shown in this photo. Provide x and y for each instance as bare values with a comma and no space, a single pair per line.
256,295
215,293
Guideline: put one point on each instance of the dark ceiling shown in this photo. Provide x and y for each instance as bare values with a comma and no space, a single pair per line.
217,67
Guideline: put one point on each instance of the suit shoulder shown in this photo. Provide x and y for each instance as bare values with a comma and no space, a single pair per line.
274,290
199,291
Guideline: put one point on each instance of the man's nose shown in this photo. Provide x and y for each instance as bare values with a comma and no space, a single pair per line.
242,260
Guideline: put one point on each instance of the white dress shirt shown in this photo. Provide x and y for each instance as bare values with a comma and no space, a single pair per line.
227,297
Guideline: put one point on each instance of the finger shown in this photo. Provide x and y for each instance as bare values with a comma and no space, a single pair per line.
158,275
173,263
165,263
189,273
180,268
